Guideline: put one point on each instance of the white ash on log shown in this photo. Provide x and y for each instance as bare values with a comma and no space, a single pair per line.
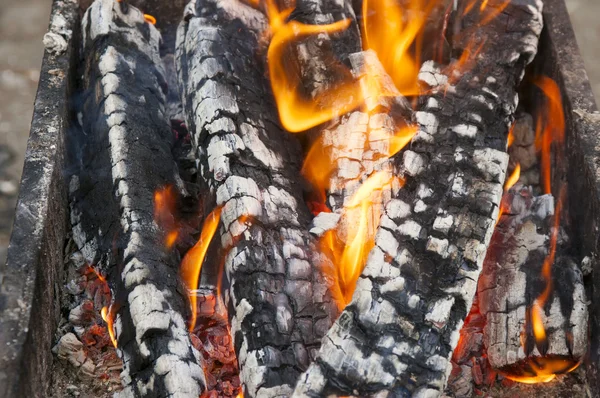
280,304
357,143
397,335
124,157
511,282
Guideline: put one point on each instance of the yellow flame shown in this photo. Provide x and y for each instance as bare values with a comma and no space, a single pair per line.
391,30
362,214
296,112
542,370
192,262
514,177
108,319
539,331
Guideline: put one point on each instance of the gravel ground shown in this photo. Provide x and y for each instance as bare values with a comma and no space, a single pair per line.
24,22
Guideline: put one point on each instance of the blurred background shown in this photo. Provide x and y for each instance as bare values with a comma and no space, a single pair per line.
22,26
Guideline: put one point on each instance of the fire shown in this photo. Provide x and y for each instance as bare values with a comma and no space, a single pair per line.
542,370
380,19
513,178
107,317
164,208
553,130
510,182
488,9
297,112
98,275
550,128
150,19
361,217
511,136
317,168
192,262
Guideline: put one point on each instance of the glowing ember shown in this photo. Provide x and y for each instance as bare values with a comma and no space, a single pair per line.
192,262
107,317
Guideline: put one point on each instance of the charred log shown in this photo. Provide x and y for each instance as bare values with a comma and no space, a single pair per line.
398,333
124,157
279,303
511,282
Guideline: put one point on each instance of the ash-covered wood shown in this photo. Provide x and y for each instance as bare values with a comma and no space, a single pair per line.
124,157
512,281
398,333
279,303
359,143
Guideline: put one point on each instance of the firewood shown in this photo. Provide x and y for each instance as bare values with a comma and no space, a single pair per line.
279,302
512,280
398,333
124,155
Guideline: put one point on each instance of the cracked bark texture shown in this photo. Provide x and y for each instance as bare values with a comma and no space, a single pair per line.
512,280
124,154
397,335
280,304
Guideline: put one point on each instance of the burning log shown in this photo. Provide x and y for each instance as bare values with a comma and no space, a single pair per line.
398,333
525,340
281,304
125,156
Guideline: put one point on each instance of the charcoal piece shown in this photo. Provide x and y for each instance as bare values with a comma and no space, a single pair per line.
398,333
124,156
511,282
280,306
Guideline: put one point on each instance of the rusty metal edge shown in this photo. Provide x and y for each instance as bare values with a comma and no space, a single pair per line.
30,279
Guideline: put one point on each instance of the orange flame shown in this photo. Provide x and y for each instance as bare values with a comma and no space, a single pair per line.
550,128
192,262
539,331
511,136
514,177
296,112
488,9
543,370
362,214
164,208
98,275
150,19
107,317
510,182
391,30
